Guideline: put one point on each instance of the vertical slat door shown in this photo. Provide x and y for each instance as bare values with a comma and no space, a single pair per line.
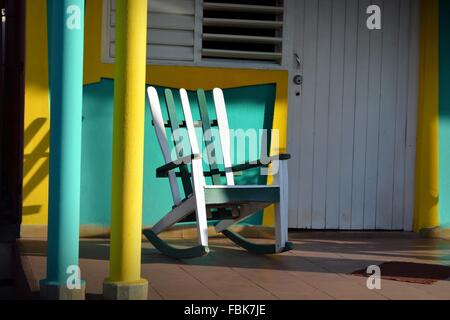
349,126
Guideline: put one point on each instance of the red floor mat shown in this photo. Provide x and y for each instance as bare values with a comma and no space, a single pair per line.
410,272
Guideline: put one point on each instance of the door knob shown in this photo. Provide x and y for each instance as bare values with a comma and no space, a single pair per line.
298,79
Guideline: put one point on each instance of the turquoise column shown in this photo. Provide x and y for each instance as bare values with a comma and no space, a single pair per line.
444,114
66,18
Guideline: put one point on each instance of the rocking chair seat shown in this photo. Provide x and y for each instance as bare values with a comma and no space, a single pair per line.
221,194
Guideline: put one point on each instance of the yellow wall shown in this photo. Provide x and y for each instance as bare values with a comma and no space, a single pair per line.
37,122
427,166
37,105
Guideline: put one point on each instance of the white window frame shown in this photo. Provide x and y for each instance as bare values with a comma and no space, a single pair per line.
287,44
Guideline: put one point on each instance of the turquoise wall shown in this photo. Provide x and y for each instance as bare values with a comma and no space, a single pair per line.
444,114
248,107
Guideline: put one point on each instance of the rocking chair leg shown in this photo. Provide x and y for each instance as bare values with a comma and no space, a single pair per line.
281,208
255,247
172,251
200,206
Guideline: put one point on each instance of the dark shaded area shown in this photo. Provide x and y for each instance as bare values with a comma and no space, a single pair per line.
15,285
410,272
243,15
12,81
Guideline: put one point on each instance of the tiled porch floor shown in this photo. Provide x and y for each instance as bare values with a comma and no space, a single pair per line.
317,269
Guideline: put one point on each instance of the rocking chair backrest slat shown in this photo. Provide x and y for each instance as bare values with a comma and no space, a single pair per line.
155,108
184,171
224,132
208,136
189,123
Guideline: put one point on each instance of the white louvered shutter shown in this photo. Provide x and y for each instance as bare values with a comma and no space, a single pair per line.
195,31
170,33
243,30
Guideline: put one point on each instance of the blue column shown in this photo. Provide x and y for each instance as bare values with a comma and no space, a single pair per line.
444,114
66,35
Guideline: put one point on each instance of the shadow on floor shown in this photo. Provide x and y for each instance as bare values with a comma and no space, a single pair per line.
312,254
322,260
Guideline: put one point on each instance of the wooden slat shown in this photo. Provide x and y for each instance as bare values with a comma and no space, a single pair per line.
164,37
185,176
165,21
255,55
360,129
306,119
155,108
182,124
224,132
335,115
388,105
242,23
373,116
294,116
348,116
185,7
401,116
322,93
178,53
234,7
208,136
162,52
189,121
241,38
180,7
411,128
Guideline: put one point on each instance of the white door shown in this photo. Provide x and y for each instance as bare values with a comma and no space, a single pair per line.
352,123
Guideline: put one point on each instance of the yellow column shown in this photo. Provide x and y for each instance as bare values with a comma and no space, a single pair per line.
427,166
124,280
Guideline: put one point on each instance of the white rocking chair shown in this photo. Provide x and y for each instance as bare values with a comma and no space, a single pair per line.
229,204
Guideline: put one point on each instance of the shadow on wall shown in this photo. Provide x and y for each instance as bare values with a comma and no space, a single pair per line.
36,134
248,108
36,162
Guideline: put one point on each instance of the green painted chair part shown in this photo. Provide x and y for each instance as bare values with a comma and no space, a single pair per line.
227,203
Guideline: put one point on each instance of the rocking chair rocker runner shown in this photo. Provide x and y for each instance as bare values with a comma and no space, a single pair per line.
228,204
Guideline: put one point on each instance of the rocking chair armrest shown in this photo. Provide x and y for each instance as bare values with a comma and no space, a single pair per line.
259,164
280,157
163,170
